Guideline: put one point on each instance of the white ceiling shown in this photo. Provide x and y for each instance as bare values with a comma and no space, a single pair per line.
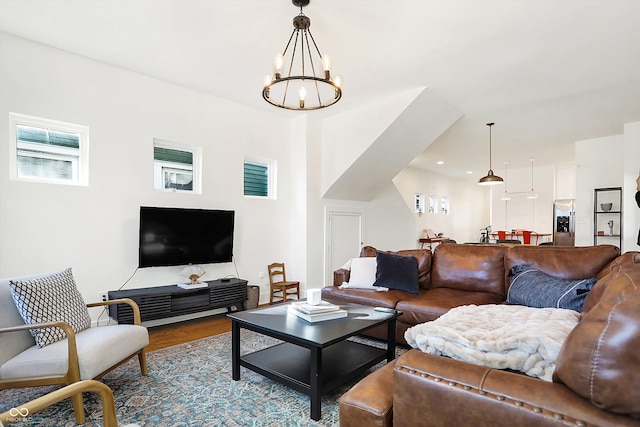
547,72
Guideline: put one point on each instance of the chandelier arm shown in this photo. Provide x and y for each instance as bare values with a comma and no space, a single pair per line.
293,54
315,45
307,33
293,57
304,35
289,42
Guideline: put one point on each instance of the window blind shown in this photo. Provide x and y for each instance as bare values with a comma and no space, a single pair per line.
173,156
256,179
48,137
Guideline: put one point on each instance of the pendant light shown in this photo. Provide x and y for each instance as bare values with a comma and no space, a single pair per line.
506,196
297,73
532,194
490,178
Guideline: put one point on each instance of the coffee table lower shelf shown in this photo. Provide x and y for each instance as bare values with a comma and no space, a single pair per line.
292,365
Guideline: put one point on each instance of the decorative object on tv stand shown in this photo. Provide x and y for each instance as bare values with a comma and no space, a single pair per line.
610,224
606,207
490,178
193,273
300,76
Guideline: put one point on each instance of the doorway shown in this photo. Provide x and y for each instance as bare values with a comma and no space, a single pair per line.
344,238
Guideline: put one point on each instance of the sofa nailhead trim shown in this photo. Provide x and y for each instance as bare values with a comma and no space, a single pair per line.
484,393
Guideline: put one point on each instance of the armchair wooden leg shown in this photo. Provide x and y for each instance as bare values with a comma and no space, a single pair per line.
78,408
142,358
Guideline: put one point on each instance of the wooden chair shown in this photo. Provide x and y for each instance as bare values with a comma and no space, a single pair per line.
19,413
281,289
86,355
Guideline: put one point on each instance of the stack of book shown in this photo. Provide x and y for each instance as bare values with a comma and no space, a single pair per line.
316,313
190,285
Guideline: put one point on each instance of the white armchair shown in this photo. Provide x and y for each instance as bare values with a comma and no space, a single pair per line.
84,355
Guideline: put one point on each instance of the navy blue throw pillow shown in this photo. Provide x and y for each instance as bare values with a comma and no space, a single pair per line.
397,272
534,288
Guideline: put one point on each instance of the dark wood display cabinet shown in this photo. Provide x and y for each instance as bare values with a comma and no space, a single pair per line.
168,301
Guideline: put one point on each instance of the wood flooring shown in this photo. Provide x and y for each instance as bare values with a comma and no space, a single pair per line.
179,333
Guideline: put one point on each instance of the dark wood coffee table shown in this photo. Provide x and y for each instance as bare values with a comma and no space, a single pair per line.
315,358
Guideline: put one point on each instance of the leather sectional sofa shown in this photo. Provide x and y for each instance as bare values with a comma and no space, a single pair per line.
455,275
596,381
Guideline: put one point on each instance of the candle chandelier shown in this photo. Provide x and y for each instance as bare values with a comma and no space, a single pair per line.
299,83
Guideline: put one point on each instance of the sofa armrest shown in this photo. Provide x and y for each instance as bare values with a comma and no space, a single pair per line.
132,303
340,276
369,402
436,388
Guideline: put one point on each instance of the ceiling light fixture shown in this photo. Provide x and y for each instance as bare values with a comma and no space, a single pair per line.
314,91
490,178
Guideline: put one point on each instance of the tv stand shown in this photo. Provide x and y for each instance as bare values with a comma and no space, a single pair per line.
168,301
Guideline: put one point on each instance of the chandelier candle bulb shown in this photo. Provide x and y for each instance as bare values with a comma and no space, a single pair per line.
278,61
303,95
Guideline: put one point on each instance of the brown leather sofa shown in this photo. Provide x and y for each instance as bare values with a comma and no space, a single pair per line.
456,275
596,381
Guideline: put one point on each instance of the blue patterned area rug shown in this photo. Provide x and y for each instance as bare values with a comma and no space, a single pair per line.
190,385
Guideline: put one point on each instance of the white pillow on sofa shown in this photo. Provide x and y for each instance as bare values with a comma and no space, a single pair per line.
363,274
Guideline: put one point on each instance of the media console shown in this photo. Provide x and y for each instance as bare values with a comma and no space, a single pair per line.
167,301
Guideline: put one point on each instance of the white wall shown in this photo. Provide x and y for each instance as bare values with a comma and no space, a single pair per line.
599,164
631,172
468,207
45,227
521,212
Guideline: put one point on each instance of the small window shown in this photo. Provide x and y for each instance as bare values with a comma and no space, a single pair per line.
259,178
444,205
433,204
44,150
175,168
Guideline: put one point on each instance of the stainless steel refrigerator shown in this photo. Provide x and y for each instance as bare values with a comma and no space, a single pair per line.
564,222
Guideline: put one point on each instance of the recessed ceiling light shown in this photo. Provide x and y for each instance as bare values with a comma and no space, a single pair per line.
469,172
440,162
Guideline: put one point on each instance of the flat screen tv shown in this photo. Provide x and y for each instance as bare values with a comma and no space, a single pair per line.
178,236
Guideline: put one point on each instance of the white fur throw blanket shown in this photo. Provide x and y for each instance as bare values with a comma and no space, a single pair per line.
498,336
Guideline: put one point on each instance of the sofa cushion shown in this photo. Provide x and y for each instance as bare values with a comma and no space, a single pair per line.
599,359
48,298
564,262
423,256
476,268
434,303
534,288
397,272
52,360
363,273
